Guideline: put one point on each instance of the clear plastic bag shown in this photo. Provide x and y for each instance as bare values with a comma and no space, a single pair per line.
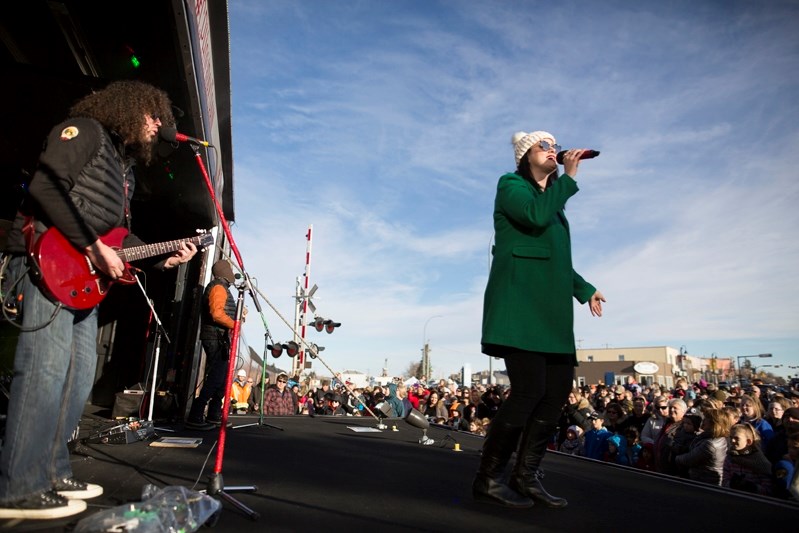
169,510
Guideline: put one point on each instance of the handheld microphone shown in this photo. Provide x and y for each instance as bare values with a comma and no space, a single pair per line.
170,134
588,154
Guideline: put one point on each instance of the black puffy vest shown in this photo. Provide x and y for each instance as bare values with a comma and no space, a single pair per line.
209,330
99,191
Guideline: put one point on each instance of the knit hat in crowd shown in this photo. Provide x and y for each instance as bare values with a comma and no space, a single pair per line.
523,141
577,430
222,269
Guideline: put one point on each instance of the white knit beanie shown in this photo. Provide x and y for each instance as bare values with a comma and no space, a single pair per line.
523,141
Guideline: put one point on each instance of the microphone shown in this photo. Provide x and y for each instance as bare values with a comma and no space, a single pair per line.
588,154
170,134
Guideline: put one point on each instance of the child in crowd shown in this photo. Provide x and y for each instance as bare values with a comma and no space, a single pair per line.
616,452
573,440
634,447
752,412
646,460
595,440
708,451
746,467
476,427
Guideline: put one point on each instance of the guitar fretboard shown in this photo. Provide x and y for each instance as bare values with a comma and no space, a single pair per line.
135,253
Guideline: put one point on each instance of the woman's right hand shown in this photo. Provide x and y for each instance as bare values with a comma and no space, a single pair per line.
571,160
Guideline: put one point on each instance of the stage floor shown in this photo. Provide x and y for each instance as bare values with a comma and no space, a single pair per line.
320,473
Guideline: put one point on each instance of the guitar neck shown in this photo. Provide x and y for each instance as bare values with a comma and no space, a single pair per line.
134,253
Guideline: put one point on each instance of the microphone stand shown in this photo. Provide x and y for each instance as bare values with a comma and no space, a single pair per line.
159,329
216,485
261,422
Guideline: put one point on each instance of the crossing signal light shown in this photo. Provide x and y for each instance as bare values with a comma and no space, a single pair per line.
291,348
314,351
320,324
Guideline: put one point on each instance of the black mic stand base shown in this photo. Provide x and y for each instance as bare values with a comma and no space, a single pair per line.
260,423
216,488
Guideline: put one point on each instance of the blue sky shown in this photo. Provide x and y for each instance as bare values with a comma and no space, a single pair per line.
387,124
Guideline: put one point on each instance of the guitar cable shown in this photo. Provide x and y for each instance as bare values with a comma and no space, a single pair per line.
7,304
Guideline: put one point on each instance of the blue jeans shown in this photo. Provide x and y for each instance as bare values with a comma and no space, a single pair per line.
54,370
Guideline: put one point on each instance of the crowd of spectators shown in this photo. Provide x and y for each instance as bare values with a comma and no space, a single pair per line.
742,439
731,437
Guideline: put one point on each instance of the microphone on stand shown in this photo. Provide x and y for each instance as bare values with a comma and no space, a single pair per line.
170,134
588,154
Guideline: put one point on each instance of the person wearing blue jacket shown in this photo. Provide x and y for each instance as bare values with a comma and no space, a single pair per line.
595,443
395,401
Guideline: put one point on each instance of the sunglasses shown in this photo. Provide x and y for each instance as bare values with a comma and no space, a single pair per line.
545,146
282,381
663,406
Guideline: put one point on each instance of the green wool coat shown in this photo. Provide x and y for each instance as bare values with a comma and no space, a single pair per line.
528,299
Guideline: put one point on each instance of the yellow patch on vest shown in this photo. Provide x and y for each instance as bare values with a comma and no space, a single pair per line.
70,132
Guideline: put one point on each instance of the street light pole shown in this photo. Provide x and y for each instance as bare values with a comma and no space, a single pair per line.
426,350
740,374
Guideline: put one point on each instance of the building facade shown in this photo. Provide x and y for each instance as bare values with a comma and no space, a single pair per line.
660,365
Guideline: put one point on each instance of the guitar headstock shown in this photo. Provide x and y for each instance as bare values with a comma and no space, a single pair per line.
204,238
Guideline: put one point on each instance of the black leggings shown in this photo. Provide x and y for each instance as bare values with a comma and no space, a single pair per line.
540,384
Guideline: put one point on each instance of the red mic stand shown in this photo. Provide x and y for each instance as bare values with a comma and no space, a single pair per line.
216,485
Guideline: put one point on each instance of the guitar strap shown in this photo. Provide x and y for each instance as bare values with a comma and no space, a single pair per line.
29,232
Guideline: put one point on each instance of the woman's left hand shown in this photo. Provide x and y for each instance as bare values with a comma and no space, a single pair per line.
596,303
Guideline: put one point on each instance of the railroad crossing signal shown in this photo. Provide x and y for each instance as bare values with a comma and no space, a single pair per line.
320,324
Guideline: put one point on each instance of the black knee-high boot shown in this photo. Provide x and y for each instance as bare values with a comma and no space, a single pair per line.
497,449
527,475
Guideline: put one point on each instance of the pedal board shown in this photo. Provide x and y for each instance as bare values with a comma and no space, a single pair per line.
132,431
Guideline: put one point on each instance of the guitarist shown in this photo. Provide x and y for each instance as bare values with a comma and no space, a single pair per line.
82,186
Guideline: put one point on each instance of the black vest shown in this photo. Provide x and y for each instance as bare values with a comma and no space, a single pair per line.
210,330
100,190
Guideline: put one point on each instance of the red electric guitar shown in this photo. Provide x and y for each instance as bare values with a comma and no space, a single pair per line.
67,275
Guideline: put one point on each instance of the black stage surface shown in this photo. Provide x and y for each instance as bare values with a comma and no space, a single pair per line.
317,474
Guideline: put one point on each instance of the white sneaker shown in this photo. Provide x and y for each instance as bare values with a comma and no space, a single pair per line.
41,506
72,489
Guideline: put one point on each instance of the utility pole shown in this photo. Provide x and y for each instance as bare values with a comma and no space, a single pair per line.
426,361
426,349
301,297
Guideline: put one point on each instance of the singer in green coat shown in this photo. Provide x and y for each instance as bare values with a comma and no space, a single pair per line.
528,299
528,317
